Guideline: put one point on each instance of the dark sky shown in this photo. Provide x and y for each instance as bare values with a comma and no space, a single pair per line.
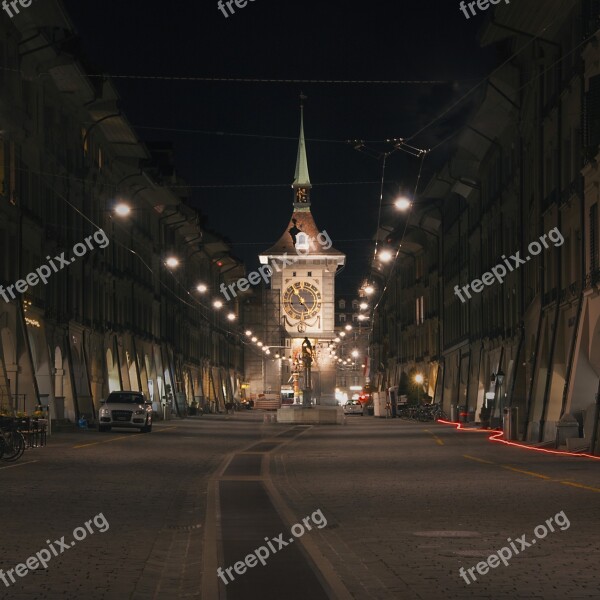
242,182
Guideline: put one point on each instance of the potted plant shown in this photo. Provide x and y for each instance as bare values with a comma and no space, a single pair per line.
6,416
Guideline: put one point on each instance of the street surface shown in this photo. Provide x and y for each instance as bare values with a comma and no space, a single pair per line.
406,504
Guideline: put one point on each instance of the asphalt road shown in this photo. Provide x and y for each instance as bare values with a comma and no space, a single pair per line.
395,509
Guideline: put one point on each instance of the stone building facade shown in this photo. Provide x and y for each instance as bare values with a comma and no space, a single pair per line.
116,317
525,164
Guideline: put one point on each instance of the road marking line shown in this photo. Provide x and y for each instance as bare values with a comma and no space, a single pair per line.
19,464
121,437
438,440
580,485
531,473
487,462
534,474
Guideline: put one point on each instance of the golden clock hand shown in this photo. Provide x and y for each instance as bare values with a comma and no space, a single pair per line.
299,297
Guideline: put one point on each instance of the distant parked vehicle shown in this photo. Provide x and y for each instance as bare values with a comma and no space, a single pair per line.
126,409
287,397
353,407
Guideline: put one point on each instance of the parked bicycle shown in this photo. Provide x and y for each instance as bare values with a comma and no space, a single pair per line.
423,412
12,443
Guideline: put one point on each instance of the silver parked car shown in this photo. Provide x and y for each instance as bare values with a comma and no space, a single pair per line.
353,407
126,409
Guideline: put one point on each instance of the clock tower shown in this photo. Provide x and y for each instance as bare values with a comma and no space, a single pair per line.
304,264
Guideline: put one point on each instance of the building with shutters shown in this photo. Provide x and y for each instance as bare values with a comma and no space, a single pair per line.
526,162
118,317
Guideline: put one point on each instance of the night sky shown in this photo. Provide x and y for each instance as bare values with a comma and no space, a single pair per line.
242,182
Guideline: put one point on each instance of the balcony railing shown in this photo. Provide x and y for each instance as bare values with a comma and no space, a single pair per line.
592,278
550,296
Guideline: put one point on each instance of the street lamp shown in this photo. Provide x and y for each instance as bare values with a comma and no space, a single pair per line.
369,290
122,209
201,287
402,203
218,304
385,256
172,262
419,381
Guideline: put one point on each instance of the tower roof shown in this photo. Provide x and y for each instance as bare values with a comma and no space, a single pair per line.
302,222
301,177
302,227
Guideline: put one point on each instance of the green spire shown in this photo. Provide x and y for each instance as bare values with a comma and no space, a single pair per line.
301,177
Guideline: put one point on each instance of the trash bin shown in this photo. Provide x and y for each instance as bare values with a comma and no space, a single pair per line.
463,414
510,422
567,427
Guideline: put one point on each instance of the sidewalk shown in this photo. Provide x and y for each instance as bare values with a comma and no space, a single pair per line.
497,435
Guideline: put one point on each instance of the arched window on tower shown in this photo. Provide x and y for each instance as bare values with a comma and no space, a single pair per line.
302,241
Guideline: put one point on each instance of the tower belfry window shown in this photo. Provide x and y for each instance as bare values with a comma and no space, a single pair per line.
302,241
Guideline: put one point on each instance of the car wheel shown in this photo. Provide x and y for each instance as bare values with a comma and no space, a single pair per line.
102,428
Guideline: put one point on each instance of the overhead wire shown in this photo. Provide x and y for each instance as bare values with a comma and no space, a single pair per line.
149,267
272,80
393,265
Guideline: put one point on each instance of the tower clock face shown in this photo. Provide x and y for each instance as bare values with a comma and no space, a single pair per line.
302,300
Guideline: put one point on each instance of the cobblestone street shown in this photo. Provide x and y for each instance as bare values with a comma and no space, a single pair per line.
406,505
